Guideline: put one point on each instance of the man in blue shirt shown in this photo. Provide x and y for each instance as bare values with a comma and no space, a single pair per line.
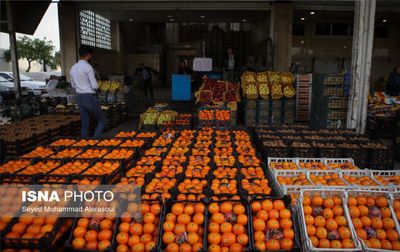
143,73
393,83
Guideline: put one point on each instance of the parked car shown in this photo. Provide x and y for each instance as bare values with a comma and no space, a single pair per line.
7,90
38,87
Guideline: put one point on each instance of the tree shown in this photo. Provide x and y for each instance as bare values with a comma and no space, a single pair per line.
40,50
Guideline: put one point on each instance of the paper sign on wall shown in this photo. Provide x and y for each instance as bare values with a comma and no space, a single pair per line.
202,64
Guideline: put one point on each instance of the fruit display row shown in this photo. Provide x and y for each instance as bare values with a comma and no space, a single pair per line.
164,119
216,91
110,86
292,142
291,175
348,220
267,84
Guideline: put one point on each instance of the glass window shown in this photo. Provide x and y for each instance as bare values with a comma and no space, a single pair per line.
381,32
95,30
298,29
323,29
340,29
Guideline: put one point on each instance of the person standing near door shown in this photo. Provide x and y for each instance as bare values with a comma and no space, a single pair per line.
229,65
84,81
144,74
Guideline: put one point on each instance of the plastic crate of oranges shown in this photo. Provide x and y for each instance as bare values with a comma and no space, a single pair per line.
67,153
39,152
93,153
374,220
312,164
140,170
183,228
194,186
359,178
253,172
324,223
326,178
71,167
256,186
197,171
273,226
63,142
123,134
228,226
138,227
40,167
13,166
341,164
103,168
282,164
387,178
85,142
133,143
121,153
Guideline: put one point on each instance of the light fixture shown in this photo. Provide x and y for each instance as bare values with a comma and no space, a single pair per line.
131,20
384,20
312,13
172,20
345,47
302,19
202,16
169,16
302,42
244,20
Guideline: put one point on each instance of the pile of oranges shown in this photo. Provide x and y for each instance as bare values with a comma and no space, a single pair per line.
225,172
71,167
138,229
296,178
93,153
85,142
183,227
199,160
373,221
224,186
122,153
13,166
67,153
146,135
256,186
283,166
313,166
248,160
224,160
133,143
94,232
40,167
361,180
227,226
200,151
148,160
140,170
103,168
63,142
138,181
223,115
326,224
253,172
126,134
206,115
169,171
109,142
40,151
155,151
272,225
326,179
174,159
160,187
195,186
343,166
197,171
396,207
388,179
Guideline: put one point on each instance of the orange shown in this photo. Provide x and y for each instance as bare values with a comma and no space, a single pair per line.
122,238
105,235
177,208
79,232
381,201
375,243
344,233
256,206
324,243
311,230
388,223
238,209
321,233
259,224
376,222
106,224
392,235
278,204
226,207
286,244
136,229
18,228
168,237
317,201
243,239
361,234
366,221
226,227
314,241
193,238
78,243
227,239
328,203
331,224
288,233
238,229
214,238
124,227
267,205
273,244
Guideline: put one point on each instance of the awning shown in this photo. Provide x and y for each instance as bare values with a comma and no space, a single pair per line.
27,15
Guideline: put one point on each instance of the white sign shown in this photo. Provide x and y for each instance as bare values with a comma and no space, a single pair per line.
202,64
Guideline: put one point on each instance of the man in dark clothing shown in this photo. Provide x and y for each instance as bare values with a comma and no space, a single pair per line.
229,65
393,83
144,74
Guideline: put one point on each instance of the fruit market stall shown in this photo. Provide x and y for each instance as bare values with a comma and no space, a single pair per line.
383,113
208,190
269,98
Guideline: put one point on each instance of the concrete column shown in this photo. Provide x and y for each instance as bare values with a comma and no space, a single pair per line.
68,17
172,38
13,49
281,34
363,38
